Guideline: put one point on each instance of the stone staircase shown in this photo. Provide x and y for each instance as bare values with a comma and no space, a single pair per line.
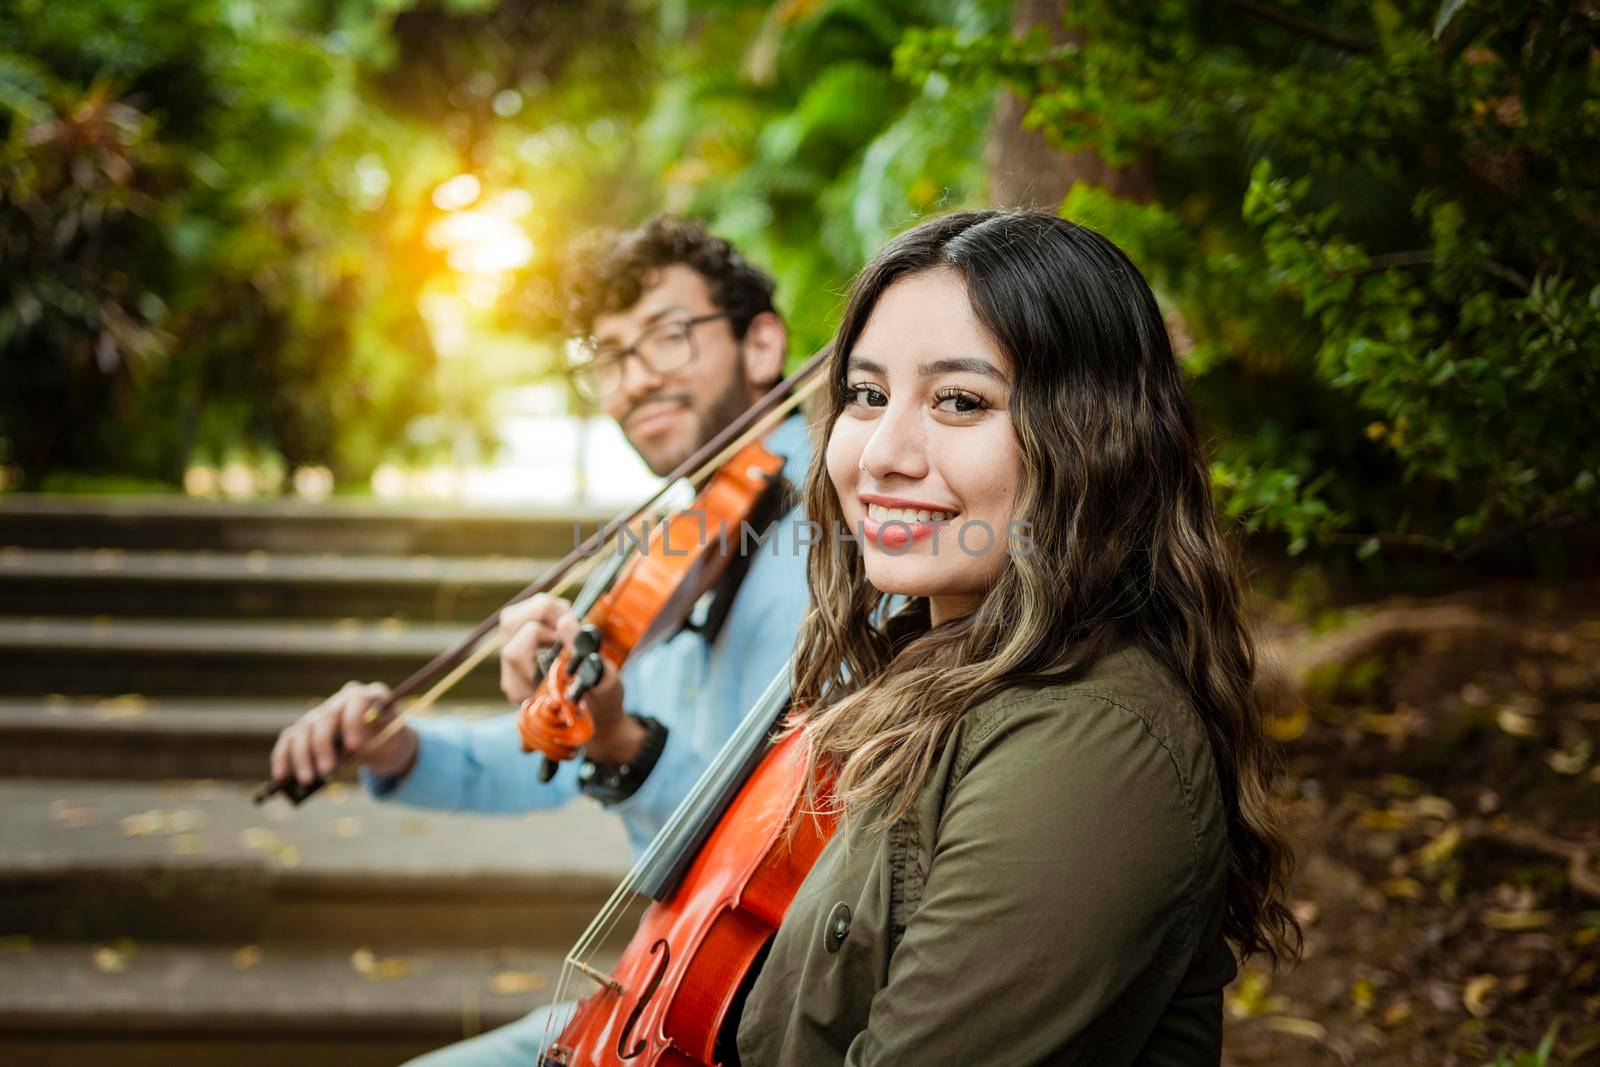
150,651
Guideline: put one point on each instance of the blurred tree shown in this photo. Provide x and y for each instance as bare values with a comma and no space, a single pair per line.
1375,223
149,290
215,220
785,127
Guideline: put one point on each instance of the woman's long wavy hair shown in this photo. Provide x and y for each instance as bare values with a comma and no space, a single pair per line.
1126,548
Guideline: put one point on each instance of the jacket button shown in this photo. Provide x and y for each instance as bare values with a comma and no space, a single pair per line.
838,927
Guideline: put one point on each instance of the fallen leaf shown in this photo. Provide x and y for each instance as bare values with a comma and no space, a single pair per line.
247,957
1400,785
126,706
346,826
1307,1028
1397,1013
1380,723
375,969
1385,819
1434,807
160,822
1249,999
143,824
1516,724
111,959
1288,727
1518,920
70,816
1441,848
1405,888
16,945
189,844
1361,995
508,983
288,856
1475,996
261,839
1573,761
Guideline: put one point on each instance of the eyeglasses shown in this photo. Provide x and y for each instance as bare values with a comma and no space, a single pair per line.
665,347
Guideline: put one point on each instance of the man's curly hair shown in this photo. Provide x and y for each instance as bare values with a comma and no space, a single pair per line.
607,270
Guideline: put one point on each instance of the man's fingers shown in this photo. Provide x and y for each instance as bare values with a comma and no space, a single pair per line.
280,756
323,734
300,761
519,660
541,607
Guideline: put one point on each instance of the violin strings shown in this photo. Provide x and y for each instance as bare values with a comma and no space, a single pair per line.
759,717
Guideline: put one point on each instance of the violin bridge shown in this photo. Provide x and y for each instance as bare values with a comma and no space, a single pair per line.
603,980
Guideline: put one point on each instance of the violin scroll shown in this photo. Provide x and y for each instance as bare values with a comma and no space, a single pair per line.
554,722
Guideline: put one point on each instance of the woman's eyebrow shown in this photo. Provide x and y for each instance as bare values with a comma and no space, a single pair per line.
864,365
969,365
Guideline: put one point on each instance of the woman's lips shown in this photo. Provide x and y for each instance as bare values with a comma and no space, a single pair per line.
899,533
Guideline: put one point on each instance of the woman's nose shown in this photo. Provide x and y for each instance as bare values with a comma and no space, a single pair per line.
898,445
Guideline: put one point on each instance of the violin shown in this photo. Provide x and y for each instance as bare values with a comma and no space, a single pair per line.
649,599
721,874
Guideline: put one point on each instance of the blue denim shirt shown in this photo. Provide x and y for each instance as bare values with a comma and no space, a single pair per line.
700,692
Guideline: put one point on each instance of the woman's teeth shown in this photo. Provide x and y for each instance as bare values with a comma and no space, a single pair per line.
880,513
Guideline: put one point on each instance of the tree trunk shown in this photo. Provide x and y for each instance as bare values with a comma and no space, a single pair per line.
1025,170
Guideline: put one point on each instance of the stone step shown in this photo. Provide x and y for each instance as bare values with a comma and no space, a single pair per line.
169,583
359,528
135,739
220,657
67,1005
198,862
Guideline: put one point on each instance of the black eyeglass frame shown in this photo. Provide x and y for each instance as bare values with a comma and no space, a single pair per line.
598,365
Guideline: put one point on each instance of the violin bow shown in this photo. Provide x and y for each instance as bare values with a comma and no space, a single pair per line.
441,673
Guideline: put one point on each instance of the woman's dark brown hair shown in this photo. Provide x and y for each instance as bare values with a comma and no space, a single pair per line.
1125,545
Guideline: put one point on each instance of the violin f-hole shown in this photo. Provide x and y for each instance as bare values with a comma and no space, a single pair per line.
644,998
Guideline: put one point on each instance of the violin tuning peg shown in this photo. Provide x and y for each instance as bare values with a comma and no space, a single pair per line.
587,643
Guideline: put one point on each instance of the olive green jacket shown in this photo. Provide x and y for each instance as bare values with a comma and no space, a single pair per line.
1056,897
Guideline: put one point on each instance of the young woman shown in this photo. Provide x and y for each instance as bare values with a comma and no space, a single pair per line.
1053,781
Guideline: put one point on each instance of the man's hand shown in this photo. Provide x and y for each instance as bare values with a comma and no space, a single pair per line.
527,628
313,746
530,626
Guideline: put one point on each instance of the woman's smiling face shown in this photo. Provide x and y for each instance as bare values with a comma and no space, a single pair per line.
924,457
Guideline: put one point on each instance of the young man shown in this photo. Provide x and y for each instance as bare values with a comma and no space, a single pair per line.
681,338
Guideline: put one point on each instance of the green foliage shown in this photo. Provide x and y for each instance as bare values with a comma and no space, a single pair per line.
787,128
161,291
214,222
1377,228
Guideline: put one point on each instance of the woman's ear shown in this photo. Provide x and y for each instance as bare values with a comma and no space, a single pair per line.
766,345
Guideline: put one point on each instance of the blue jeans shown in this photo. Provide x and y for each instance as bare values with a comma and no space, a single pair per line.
515,1044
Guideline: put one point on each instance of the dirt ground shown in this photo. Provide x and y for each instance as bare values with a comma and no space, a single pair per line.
1445,799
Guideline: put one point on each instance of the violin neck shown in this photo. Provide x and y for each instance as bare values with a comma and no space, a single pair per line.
702,809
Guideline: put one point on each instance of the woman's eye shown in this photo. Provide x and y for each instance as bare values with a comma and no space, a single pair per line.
959,402
866,396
